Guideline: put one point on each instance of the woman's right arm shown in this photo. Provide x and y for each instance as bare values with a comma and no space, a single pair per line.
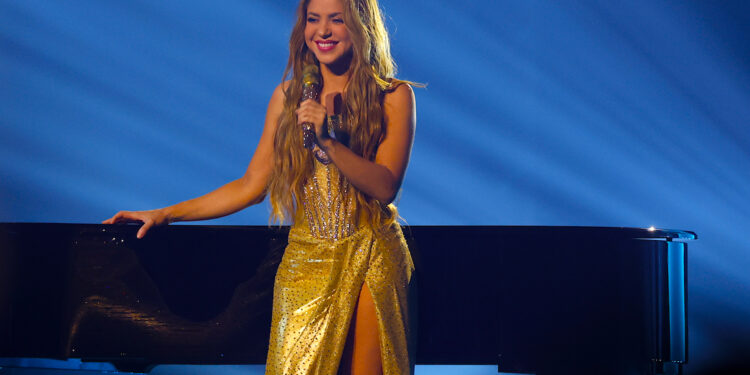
232,197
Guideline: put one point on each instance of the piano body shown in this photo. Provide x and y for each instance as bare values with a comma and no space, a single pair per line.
544,300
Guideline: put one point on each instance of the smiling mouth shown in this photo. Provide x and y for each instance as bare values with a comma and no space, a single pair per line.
326,45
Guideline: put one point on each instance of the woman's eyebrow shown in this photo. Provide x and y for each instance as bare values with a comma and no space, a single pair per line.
318,15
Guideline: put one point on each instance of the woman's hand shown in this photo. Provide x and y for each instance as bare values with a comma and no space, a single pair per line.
148,218
313,112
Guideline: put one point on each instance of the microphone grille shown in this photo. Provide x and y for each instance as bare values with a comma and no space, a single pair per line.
310,75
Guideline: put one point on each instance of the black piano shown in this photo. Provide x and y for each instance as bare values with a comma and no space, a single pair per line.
543,300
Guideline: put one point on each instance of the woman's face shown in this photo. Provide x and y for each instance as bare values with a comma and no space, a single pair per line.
325,32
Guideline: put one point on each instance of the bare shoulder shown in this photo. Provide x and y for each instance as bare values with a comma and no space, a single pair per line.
276,104
285,85
399,98
399,108
279,93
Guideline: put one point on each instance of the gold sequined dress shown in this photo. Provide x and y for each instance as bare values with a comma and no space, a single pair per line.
329,256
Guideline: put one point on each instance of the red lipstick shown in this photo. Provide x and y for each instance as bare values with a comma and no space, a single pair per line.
325,45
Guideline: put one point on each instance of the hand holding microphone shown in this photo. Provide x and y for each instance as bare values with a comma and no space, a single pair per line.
318,123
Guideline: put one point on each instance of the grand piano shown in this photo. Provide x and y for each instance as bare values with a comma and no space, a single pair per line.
543,300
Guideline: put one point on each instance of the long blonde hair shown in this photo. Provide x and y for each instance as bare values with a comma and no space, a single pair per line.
371,76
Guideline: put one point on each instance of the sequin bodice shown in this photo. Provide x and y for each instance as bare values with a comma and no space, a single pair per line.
327,206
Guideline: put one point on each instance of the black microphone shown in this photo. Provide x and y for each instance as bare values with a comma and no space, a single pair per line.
310,90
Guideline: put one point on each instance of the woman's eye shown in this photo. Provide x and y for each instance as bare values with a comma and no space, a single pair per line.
311,19
338,20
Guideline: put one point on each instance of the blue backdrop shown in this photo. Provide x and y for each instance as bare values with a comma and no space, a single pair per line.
537,112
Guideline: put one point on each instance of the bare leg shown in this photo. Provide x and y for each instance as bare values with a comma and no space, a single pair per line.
362,351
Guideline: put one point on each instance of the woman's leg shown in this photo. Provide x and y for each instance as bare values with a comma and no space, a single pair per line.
362,352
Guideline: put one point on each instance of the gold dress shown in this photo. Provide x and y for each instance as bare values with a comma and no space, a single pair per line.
328,258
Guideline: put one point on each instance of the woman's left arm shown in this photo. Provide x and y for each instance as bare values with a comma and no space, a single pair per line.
380,179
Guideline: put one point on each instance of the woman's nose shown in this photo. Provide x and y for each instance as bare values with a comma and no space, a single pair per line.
324,30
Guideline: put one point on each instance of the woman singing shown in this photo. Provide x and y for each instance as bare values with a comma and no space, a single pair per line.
341,302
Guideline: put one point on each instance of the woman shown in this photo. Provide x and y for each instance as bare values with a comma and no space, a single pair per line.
341,291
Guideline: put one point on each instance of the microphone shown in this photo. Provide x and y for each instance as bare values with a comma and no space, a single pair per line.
310,89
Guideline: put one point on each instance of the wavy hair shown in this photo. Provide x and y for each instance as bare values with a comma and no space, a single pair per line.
372,71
